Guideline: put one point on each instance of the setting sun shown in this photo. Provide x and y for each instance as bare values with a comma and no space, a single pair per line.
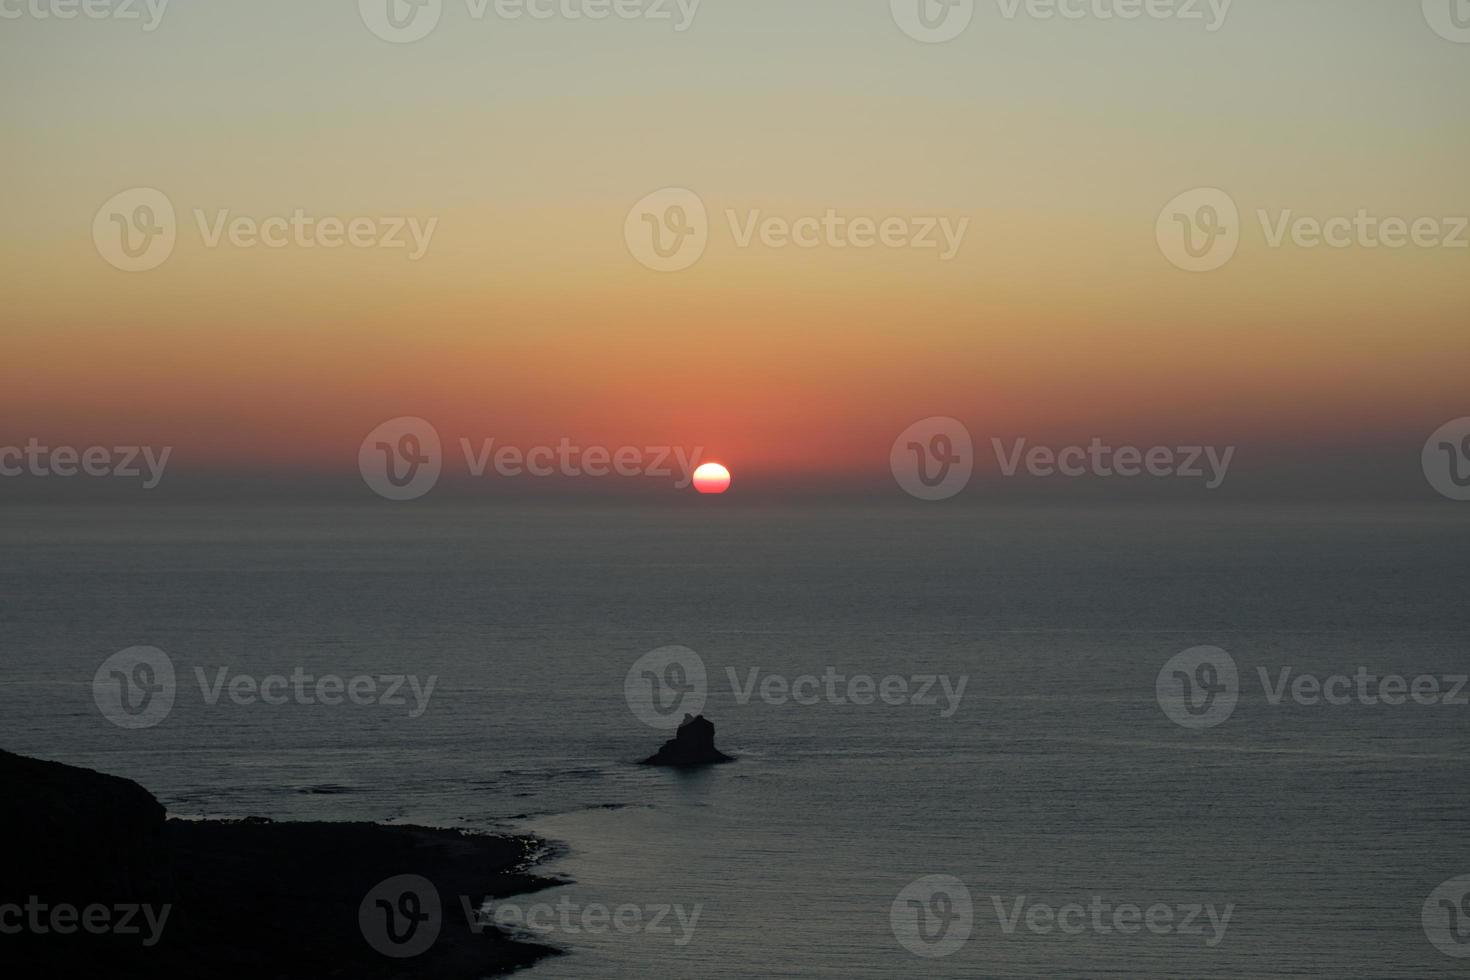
712,478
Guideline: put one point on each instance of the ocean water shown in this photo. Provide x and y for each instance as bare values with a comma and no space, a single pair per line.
1058,778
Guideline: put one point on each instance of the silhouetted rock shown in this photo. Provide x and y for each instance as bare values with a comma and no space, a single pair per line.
692,745
83,834
232,900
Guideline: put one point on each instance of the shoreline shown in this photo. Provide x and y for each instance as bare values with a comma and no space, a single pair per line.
104,880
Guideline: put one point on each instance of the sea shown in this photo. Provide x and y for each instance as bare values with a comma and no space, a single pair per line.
1055,816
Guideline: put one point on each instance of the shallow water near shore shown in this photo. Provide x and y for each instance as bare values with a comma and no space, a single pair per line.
1056,780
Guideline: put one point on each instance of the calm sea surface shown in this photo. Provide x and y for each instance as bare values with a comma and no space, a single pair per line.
1057,780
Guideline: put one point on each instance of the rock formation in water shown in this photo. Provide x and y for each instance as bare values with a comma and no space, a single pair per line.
692,745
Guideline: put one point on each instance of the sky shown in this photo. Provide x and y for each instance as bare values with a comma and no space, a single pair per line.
1055,144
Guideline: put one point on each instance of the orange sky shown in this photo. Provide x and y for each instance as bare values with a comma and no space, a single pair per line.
529,320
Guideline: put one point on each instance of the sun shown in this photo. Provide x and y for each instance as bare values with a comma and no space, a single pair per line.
711,478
